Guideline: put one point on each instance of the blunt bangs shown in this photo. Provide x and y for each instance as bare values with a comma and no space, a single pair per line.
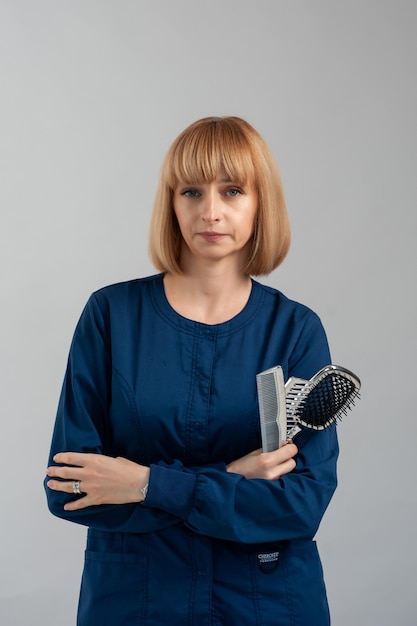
205,149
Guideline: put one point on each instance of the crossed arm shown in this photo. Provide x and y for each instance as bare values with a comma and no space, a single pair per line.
107,480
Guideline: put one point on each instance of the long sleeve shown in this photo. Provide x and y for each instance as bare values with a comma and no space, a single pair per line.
82,425
228,506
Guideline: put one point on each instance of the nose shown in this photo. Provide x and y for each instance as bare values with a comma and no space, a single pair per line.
211,209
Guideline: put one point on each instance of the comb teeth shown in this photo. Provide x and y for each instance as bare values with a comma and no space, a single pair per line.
267,390
272,408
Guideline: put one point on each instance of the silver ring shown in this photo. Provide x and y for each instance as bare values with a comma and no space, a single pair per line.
76,487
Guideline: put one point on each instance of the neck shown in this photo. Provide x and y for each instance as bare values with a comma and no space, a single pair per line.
210,295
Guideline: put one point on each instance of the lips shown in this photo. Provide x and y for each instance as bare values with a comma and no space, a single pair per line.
212,236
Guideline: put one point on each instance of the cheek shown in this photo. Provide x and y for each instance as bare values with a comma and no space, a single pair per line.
183,223
178,216
252,219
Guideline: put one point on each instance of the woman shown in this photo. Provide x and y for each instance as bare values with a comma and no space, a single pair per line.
156,446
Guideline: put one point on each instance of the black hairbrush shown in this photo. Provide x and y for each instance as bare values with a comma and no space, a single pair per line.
316,403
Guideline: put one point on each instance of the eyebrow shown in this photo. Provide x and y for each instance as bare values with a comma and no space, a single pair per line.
221,180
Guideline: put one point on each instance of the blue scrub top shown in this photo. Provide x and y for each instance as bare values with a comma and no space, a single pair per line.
206,547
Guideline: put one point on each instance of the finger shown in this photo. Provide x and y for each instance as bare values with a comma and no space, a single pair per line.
288,450
286,467
72,458
80,503
64,486
281,454
74,473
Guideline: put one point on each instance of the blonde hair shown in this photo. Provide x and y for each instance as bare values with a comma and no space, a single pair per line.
198,154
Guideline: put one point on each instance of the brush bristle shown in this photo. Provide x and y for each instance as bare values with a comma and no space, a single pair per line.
327,401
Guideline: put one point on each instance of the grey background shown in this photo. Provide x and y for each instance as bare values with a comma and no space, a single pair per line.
92,93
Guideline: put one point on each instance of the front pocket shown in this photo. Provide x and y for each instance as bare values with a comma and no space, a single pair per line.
112,589
305,584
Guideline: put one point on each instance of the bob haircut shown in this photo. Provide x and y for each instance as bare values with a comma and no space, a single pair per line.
197,156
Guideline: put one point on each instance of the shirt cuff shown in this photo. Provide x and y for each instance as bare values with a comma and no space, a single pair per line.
170,490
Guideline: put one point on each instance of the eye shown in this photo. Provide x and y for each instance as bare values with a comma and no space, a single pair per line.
190,193
234,191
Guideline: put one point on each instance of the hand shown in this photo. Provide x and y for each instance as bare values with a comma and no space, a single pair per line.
267,465
103,479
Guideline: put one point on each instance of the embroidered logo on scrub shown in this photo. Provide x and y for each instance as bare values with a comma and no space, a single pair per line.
268,562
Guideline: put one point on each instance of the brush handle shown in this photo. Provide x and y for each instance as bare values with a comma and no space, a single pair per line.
294,388
293,431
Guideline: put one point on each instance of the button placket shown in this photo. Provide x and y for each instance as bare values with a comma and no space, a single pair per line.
199,405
